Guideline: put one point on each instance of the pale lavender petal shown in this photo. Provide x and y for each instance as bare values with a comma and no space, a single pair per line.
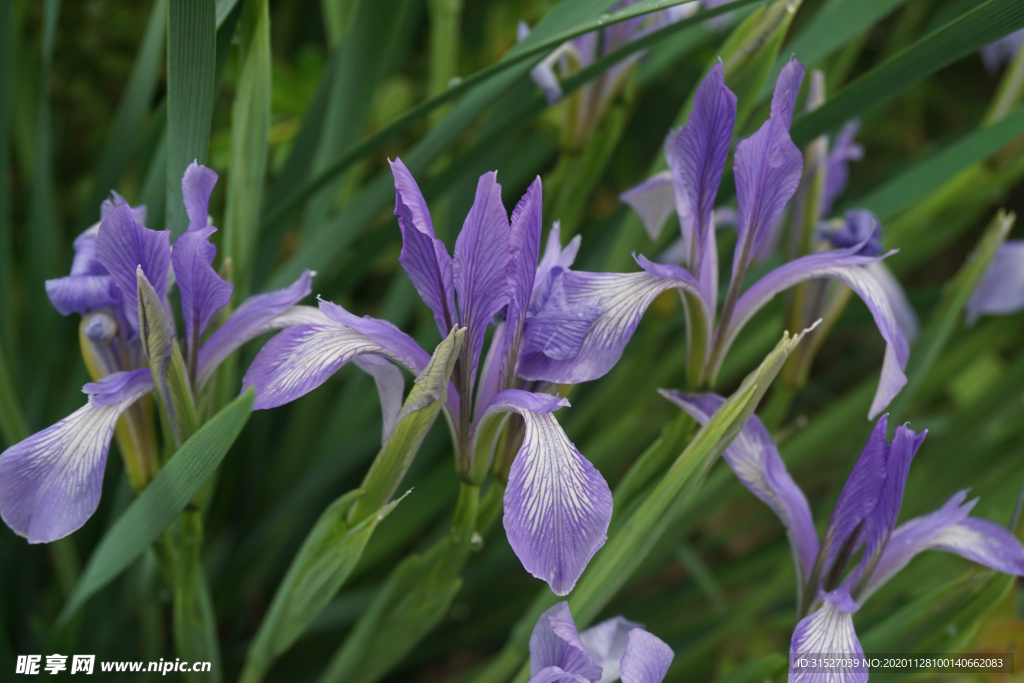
860,495
82,293
606,644
844,265
424,257
837,175
829,631
398,343
557,505
767,167
646,659
248,321
50,483
522,31
1001,290
203,291
554,674
545,77
555,257
479,267
701,148
390,388
983,542
906,317
196,186
301,358
754,458
882,520
123,245
997,53
555,642
654,200
614,303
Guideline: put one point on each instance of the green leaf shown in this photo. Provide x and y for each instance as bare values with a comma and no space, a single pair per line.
13,426
932,171
250,127
7,300
131,113
946,316
159,504
832,27
195,623
191,58
962,36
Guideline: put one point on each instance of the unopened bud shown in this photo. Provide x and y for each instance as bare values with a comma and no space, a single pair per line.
99,327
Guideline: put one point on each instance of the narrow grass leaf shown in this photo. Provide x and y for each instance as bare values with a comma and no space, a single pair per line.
159,504
191,58
962,36
7,300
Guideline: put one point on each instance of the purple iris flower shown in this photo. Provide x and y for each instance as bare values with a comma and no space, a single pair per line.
557,507
604,309
51,482
1001,290
864,516
613,650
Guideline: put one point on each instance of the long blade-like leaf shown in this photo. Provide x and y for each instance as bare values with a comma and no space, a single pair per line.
968,33
191,61
159,504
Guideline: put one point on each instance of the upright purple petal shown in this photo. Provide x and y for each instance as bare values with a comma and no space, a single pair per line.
754,458
768,167
882,520
860,495
1001,290
203,291
598,313
520,274
607,643
557,505
50,483
844,265
123,245
196,187
654,200
646,659
829,631
555,257
424,257
701,148
107,205
555,642
254,317
837,175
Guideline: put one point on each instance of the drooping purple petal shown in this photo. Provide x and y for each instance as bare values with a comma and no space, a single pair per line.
520,274
424,257
646,659
700,151
843,265
402,346
754,458
251,319
768,167
613,303
654,200
905,315
203,291
123,245
82,293
50,483
837,175
606,644
824,637
557,505
390,388
860,495
950,529
196,186
555,642
1001,290
301,358
882,520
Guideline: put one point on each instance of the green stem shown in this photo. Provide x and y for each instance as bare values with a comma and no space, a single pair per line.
445,25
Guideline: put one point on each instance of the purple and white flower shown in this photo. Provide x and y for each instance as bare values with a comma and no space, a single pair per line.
865,516
613,650
606,308
50,483
557,506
